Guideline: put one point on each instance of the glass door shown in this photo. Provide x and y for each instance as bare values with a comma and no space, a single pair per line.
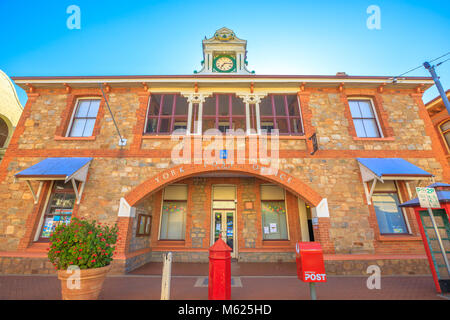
224,225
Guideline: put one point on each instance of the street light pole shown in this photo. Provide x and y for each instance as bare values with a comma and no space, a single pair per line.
430,68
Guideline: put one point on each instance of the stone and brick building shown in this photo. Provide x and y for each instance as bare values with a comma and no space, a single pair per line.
341,152
441,121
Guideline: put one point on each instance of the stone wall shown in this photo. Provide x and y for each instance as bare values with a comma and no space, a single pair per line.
141,242
249,219
199,212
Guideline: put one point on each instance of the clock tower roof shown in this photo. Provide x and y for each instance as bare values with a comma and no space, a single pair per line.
224,42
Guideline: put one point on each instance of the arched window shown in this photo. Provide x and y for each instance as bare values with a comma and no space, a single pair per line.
445,129
3,133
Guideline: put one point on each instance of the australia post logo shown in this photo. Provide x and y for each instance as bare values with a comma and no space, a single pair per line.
312,276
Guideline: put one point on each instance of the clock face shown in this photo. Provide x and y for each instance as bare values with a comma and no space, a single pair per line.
224,63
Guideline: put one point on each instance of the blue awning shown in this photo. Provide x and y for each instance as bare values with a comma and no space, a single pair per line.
392,167
66,169
58,168
384,169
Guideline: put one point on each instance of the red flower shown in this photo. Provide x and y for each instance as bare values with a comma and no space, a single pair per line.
79,258
90,232
93,260
94,255
65,242
80,250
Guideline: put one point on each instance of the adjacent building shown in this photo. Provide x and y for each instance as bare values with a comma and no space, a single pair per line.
10,111
441,122
262,161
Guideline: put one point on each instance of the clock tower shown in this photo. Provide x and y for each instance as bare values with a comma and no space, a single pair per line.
224,53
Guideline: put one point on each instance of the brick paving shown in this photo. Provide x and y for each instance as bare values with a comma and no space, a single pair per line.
143,287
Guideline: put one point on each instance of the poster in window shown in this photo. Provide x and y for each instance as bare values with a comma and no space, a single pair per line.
273,228
47,229
147,226
141,225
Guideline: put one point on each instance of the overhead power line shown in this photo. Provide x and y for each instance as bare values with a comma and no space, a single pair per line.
420,66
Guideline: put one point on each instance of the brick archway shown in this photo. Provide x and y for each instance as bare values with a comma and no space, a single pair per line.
172,175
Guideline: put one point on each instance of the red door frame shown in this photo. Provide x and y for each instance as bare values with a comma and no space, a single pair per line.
446,208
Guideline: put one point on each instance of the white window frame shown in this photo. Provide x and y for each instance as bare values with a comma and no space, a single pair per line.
41,220
372,105
286,208
69,128
161,211
402,209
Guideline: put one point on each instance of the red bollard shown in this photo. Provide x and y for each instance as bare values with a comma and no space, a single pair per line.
219,282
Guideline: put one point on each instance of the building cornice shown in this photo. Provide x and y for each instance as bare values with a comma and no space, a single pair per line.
309,80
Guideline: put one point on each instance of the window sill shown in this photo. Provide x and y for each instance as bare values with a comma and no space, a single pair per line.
399,238
59,138
374,139
158,136
38,246
169,243
169,136
274,243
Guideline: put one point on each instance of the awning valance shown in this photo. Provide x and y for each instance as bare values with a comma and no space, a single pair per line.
382,169
66,169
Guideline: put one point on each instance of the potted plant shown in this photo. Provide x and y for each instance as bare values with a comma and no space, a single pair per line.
82,252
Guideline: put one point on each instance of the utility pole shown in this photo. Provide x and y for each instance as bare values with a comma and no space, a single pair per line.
430,68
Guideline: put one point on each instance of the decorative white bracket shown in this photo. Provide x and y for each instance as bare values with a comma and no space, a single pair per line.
125,210
35,195
322,209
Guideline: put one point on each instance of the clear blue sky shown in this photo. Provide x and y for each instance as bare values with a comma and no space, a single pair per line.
284,37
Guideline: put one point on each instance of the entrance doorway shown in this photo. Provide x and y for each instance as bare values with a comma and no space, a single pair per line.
224,225
224,215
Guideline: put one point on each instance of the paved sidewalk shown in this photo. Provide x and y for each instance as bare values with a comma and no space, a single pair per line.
143,287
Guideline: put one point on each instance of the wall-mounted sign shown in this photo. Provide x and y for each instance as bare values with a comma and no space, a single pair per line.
223,154
428,198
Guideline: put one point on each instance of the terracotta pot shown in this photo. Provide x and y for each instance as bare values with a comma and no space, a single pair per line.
91,282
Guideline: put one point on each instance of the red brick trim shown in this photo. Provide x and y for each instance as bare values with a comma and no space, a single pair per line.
336,257
141,115
58,138
306,113
20,128
33,219
382,115
125,225
157,182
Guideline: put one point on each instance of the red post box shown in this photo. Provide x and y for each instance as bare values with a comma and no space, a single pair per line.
219,281
310,265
